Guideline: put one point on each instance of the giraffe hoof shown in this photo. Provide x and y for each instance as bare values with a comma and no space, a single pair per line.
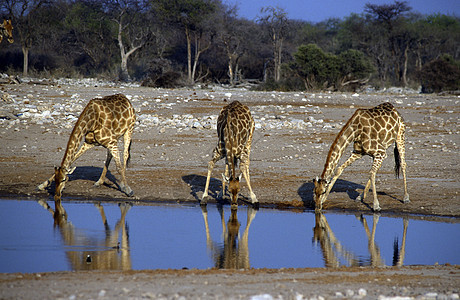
204,199
234,206
406,199
377,208
128,191
255,205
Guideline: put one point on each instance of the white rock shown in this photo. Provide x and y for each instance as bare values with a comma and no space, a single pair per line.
262,297
362,292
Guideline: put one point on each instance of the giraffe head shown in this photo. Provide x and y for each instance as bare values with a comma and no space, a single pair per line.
9,30
319,192
233,188
60,178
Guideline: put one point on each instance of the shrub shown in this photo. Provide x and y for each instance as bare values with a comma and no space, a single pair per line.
442,74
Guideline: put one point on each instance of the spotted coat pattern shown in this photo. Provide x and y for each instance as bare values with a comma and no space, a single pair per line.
372,131
235,128
102,123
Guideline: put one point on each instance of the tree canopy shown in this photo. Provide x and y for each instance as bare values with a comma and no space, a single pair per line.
183,42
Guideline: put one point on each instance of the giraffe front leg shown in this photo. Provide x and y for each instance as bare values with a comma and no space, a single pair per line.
245,170
216,156
204,198
101,180
363,195
225,180
46,183
354,156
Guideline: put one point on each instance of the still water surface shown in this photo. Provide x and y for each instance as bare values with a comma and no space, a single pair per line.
124,237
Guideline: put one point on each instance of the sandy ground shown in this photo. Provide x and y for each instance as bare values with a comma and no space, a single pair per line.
169,163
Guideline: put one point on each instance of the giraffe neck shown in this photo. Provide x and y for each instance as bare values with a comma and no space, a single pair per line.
231,142
343,139
75,139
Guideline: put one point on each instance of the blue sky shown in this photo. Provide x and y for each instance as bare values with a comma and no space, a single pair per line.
320,10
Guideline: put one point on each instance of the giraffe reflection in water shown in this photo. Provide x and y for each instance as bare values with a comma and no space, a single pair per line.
334,253
234,253
110,253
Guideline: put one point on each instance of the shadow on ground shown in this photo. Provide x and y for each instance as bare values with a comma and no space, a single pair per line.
87,173
198,182
305,191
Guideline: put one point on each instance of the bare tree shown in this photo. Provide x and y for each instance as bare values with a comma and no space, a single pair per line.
132,31
189,14
390,16
231,37
276,21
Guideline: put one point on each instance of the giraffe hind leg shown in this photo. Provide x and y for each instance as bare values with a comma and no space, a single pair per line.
378,159
124,187
401,149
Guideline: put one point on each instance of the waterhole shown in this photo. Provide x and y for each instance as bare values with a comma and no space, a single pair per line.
35,236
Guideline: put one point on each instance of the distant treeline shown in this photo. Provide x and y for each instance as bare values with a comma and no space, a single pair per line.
172,43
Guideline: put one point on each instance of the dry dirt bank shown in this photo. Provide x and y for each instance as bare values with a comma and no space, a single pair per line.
437,282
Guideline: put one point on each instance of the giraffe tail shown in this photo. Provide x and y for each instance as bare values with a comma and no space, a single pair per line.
129,154
397,161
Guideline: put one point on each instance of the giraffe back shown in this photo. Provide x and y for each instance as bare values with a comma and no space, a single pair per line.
112,115
103,120
235,127
376,128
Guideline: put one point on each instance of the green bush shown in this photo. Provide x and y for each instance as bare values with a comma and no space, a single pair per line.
321,70
442,74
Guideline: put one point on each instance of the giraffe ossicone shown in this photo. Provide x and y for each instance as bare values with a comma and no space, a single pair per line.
102,123
372,131
235,128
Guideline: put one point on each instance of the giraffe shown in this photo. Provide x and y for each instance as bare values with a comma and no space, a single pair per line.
235,127
89,252
6,29
102,122
336,255
234,254
372,131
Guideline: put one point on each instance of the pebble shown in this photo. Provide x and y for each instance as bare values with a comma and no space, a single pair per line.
101,293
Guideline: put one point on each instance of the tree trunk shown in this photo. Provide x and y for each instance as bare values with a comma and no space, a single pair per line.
230,71
404,70
278,60
189,55
25,52
195,60
124,76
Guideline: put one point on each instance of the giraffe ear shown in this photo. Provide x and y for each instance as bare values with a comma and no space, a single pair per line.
239,177
70,171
